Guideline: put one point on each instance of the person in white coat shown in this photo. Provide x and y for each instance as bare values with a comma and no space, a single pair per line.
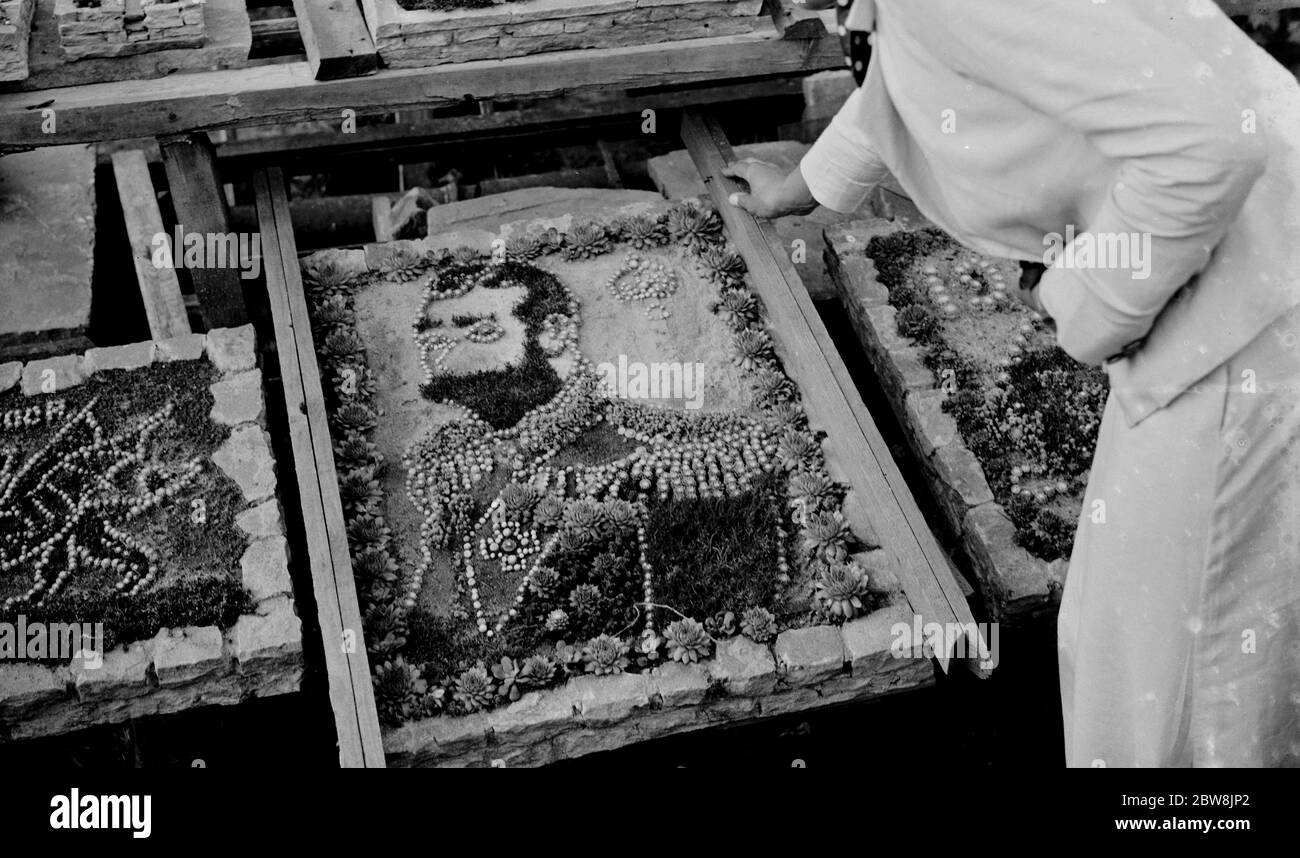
1011,121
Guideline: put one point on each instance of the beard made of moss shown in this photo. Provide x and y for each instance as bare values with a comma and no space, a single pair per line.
502,397
208,600
714,555
203,585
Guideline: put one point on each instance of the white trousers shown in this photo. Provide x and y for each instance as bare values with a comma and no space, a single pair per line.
1179,628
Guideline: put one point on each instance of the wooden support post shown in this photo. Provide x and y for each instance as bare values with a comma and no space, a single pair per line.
348,672
161,291
610,163
200,206
793,22
336,39
854,444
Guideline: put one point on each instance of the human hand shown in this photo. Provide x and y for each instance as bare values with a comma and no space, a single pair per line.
772,192
1026,291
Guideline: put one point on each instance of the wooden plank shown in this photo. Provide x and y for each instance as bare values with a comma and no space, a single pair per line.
347,669
336,39
200,205
275,36
830,397
287,92
610,163
159,287
379,210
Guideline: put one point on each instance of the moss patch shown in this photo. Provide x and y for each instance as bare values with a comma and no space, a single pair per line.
716,554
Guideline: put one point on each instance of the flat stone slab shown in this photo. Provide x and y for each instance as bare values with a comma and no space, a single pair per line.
246,459
238,398
47,240
492,212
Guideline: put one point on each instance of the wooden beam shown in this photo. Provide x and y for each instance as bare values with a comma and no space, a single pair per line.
347,670
288,92
159,287
275,36
596,110
336,39
854,444
191,165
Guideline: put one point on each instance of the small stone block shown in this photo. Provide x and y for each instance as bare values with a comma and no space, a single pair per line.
679,684
238,398
124,673
962,478
868,641
184,347
52,375
932,427
184,655
809,655
608,698
25,688
10,373
265,567
246,459
260,521
232,349
133,356
273,634
743,667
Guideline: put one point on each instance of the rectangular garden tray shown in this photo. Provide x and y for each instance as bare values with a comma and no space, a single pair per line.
424,37
226,46
180,668
801,668
15,30
1015,584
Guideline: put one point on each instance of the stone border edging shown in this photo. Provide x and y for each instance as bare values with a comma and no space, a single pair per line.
422,37
801,669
